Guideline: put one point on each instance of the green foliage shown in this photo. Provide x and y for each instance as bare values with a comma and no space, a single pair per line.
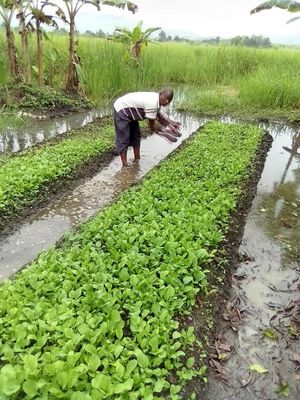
135,40
258,368
289,5
281,93
245,71
40,98
95,318
4,71
256,41
283,389
12,119
23,177
270,334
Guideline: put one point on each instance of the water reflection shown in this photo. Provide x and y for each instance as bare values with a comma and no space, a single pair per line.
17,139
280,209
267,282
50,223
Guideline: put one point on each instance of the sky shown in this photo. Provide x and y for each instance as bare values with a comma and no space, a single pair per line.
194,18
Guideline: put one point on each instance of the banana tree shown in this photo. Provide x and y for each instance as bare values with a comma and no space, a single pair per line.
289,5
7,10
135,39
72,9
37,18
22,7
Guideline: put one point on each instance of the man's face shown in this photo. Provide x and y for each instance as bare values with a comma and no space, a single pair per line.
164,101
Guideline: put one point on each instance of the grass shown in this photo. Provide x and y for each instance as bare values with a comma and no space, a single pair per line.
263,80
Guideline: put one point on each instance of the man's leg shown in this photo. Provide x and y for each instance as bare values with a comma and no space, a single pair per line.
123,155
135,139
122,137
136,152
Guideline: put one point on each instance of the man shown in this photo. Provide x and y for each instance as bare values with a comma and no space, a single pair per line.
134,107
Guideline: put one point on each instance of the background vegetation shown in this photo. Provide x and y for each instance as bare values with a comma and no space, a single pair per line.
239,76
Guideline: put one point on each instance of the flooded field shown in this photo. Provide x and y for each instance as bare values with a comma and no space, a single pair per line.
15,139
265,295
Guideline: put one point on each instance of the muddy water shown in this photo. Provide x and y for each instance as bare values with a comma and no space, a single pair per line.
266,286
49,225
14,139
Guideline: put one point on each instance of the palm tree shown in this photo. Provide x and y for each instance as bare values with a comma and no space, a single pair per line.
289,5
134,39
7,10
72,9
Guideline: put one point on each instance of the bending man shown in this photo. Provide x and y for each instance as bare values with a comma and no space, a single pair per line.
134,107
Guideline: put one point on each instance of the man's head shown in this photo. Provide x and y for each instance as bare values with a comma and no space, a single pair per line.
165,97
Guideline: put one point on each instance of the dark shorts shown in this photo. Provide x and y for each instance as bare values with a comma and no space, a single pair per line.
127,133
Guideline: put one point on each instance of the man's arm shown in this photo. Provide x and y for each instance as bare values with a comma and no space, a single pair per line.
152,125
164,120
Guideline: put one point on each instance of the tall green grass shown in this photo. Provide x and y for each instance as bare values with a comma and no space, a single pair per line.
275,87
225,77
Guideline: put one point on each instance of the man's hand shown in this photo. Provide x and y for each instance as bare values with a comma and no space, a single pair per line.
177,125
164,120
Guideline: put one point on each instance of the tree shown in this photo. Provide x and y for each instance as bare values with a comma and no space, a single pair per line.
7,10
22,7
37,17
289,5
135,39
253,41
72,9
162,36
100,33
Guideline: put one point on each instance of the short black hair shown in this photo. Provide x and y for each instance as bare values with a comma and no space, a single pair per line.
168,92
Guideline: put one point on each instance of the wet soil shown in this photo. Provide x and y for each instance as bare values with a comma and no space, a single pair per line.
257,316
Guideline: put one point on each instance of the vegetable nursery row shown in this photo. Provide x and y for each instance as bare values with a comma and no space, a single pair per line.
96,317
24,176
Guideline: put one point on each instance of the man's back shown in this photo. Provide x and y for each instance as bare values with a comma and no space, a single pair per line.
137,105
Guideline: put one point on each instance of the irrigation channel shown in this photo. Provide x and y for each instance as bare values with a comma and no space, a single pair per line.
260,324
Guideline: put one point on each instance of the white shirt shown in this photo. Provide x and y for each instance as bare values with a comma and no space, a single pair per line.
138,105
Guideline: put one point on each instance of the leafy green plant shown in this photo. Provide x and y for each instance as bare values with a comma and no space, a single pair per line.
270,334
23,177
39,99
289,5
283,389
135,39
96,318
258,368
